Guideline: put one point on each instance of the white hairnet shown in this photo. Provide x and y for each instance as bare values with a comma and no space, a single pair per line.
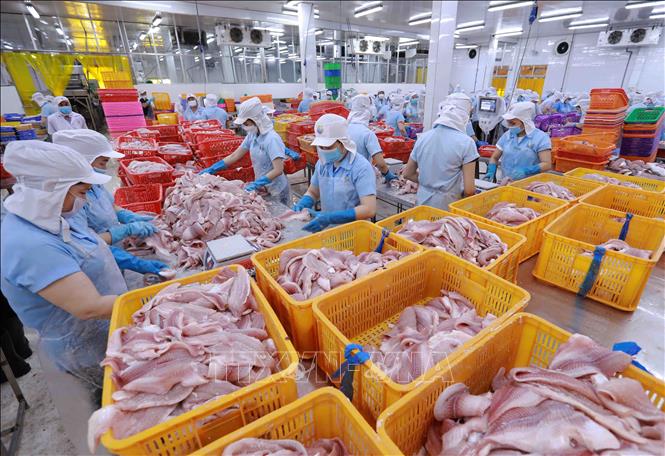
60,99
190,95
396,101
361,110
49,98
44,173
454,112
331,128
253,109
210,100
524,111
308,93
37,97
88,143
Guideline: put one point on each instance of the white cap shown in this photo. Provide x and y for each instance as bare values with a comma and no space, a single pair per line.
397,101
210,100
49,98
60,99
190,95
253,109
331,128
37,96
524,111
88,143
361,110
308,93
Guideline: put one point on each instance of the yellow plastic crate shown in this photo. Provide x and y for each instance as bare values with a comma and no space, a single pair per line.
282,122
578,187
185,433
505,266
162,101
621,278
523,340
168,118
624,199
297,317
477,206
325,413
651,185
362,313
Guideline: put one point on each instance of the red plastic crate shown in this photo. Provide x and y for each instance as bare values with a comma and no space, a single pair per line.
140,198
245,174
293,166
301,128
486,151
125,147
218,149
396,144
147,178
165,131
198,137
173,158
339,110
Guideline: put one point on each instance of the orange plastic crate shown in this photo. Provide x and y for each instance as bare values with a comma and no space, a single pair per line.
565,164
608,99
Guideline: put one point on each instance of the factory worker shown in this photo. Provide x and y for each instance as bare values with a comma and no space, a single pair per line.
307,99
65,118
563,106
266,150
443,160
344,182
523,150
411,112
193,111
367,144
46,107
146,105
58,276
112,223
395,118
380,101
212,111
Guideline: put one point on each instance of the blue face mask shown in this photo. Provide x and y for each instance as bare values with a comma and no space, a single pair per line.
329,156
66,110
515,130
414,102
99,170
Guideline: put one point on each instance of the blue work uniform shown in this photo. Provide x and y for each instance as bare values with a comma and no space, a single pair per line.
440,154
411,113
215,112
263,149
382,112
469,129
100,209
521,152
392,119
342,187
562,107
192,116
379,103
304,104
47,110
31,260
367,144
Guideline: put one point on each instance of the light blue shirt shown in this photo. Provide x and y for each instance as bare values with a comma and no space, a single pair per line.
392,119
440,154
521,152
192,116
382,112
562,107
469,129
263,149
342,187
379,103
215,112
100,210
32,259
47,110
304,104
367,144
411,113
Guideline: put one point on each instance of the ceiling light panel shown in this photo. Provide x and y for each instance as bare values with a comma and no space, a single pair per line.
507,5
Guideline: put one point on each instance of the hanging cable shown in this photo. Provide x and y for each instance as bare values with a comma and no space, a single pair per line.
532,19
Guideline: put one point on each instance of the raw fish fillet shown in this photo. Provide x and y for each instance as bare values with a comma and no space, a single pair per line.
551,189
511,214
264,447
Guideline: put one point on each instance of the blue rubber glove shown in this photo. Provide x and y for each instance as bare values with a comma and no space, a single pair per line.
139,229
258,183
480,143
526,171
323,219
126,260
491,172
389,176
293,154
306,202
217,167
126,216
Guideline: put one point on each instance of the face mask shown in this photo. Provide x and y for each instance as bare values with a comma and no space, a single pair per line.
414,102
100,170
192,104
250,129
329,156
381,96
78,205
66,110
515,130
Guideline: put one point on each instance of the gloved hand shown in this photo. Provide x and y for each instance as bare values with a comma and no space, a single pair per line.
126,260
306,202
258,183
140,229
491,172
526,171
290,153
126,216
323,219
389,176
217,167
480,143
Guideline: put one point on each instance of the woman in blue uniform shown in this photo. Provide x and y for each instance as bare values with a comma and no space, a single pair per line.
212,111
193,111
523,150
394,117
307,100
343,182
266,150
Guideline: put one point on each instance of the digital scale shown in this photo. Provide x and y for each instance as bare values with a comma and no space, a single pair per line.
226,250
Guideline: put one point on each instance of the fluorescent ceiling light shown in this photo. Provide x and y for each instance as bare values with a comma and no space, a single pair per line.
283,51
406,40
196,59
156,20
153,30
409,43
210,40
635,5
368,8
420,21
501,6
466,46
376,38
289,12
134,46
658,10
196,47
148,5
241,59
420,18
69,42
43,21
208,57
469,24
292,3
590,21
31,9
161,59
560,14
177,51
587,26
508,32
468,29
277,34
59,30
142,36
657,16
559,18
318,32
324,43
237,50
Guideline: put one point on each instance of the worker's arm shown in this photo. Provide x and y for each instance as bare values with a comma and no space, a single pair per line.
314,192
277,169
401,127
545,157
410,171
77,295
106,237
469,176
380,163
496,156
367,208
235,156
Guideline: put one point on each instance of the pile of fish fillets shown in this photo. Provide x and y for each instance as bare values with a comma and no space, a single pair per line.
203,208
308,273
609,180
457,235
575,406
637,168
141,167
264,447
188,345
551,189
425,335
511,214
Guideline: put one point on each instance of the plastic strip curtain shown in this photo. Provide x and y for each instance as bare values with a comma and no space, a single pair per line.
110,71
